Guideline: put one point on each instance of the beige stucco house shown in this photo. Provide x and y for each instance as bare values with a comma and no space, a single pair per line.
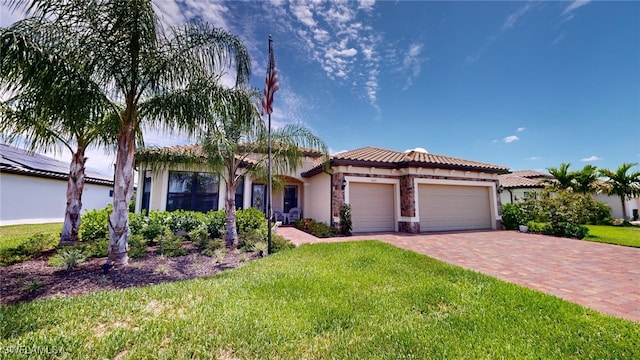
411,191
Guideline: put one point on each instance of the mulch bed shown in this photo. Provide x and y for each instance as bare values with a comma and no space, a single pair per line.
35,279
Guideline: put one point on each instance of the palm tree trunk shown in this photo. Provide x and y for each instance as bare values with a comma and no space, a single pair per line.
231,236
75,187
624,208
122,192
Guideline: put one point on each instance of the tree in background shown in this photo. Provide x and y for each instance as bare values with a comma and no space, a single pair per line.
586,180
52,104
622,183
563,178
167,80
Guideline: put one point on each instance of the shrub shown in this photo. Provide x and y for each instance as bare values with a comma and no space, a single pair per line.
94,224
171,245
137,246
199,234
279,243
68,258
219,255
345,219
152,231
181,220
539,227
99,248
248,238
511,216
209,247
137,222
215,223
261,246
250,219
315,228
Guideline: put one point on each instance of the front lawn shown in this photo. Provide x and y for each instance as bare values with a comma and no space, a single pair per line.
13,235
343,300
619,235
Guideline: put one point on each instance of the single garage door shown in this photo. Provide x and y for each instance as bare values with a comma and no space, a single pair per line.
372,207
452,207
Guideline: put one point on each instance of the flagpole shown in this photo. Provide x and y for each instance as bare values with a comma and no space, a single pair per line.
269,244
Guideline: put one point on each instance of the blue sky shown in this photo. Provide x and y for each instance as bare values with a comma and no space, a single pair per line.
525,84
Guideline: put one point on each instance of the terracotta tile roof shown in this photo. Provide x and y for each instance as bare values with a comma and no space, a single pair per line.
372,156
531,174
519,182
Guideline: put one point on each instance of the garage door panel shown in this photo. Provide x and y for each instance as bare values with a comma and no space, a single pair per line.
451,207
372,207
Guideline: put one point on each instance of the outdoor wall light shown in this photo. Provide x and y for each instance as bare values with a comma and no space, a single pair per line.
344,183
500,189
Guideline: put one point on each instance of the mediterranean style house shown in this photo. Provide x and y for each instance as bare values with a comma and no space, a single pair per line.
412,191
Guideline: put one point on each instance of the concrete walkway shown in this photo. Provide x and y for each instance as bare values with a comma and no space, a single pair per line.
603,277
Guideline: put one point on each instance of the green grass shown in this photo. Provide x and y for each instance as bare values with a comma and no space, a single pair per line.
13,235
619,235
360,300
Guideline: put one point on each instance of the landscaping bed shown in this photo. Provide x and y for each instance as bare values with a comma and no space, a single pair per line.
36,279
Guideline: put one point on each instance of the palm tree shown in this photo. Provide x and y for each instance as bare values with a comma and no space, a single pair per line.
164,79
622,183
47,117
586,180
563,178
236,146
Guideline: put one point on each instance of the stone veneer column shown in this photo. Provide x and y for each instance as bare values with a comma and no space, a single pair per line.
408,205
338,195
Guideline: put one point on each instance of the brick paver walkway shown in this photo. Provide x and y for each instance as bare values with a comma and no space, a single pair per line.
600,276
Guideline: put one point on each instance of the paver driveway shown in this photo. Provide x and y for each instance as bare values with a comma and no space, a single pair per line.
600,276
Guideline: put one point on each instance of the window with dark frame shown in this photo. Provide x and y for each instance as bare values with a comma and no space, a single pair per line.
195,191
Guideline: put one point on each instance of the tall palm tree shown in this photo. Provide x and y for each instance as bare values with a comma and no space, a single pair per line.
563,178
47,117
586,180
164,79
236,146
622,183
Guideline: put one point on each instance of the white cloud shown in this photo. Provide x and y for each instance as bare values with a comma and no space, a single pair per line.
521,129
591,158
511,20
511,138
412,62
367,4
574,5
534,158
304,14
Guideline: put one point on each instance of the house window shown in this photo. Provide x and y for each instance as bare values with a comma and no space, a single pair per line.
240,194
192,191
290,197
258,197
146,192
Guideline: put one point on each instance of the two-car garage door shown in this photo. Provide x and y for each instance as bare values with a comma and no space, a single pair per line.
454,207
372,207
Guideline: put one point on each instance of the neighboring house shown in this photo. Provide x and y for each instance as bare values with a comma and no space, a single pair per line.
33,188
516,185
388,190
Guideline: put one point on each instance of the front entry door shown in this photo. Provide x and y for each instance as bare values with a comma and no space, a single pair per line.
258,197
290,197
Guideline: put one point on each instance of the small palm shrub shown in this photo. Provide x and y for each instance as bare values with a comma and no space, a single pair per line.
68,258
315,228
248,238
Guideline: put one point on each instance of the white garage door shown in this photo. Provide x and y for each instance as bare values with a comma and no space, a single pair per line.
451,207
372,207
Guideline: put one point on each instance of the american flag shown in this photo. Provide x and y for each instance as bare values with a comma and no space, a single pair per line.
270,83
